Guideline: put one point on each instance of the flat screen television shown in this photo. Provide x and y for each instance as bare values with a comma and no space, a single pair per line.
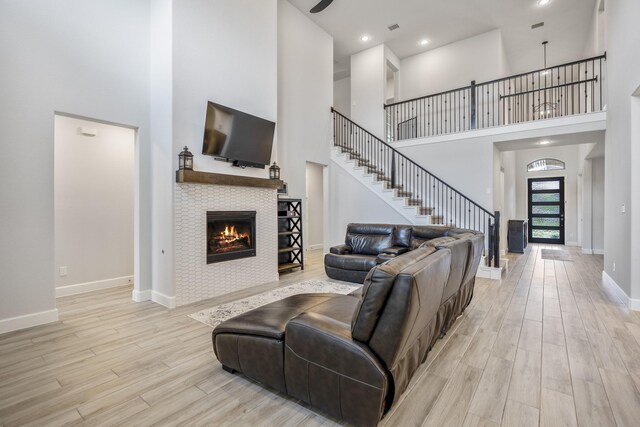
238,137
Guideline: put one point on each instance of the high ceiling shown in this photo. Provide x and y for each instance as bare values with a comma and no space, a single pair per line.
442,22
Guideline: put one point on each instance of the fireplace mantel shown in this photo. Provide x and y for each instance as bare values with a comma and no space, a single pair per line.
195,177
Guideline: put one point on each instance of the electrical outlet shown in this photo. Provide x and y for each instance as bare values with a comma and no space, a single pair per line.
63,271
614,266
623,208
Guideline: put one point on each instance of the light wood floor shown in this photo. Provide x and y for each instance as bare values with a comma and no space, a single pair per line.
546,346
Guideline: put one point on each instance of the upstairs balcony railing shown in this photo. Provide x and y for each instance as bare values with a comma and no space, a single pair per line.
559,91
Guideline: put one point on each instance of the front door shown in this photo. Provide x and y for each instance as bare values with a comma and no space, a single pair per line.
546,210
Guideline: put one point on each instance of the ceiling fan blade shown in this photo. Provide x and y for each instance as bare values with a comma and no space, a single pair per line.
320,6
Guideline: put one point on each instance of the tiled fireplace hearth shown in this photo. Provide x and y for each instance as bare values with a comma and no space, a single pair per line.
196,276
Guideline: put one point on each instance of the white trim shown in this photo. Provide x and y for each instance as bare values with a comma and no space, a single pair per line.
28,320
598,251
514,131
587,251
81,288
315,247
571,244
139,296
492,273
633,304
162,299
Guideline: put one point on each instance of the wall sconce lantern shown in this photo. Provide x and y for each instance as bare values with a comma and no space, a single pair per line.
185,159
274,171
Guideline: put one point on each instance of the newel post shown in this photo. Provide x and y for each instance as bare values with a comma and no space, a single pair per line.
496,240
473,103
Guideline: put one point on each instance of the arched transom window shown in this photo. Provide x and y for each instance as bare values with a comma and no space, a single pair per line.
545,165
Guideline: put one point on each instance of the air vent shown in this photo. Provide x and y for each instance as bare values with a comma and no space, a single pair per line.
538,25
393,27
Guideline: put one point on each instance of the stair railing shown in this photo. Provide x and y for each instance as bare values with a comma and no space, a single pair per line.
430,195
558,91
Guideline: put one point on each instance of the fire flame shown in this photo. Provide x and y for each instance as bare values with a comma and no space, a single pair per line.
230,234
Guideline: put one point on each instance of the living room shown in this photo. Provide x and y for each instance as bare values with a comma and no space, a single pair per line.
152,66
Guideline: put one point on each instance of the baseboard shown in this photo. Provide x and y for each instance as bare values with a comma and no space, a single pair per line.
81,288
587,251
28,320
162,299
315,247
633,304
492,273
139,296
598,251
571,244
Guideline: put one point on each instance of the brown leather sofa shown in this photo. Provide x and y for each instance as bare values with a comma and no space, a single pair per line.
352,356
367,245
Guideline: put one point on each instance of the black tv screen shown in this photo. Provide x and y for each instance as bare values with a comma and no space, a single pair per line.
236,136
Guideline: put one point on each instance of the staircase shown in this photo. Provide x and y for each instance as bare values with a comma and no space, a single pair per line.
401,201
414,192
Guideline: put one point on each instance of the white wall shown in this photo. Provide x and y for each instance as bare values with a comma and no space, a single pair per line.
480,58
352,201
505,66
503,190
568,154
595,41
93,202
314,220
598,204
585,196
305,96
635,196
218,46
342,96
508,211
368,89
225,52
85,58
467,166
162,151
623,68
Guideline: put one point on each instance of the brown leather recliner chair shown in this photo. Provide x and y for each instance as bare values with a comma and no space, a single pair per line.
349,357
366,245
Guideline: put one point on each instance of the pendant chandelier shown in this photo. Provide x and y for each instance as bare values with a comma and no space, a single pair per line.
545,109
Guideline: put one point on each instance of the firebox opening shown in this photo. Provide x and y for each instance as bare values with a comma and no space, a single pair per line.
230,235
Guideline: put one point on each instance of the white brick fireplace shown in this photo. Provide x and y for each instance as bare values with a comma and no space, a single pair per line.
195,280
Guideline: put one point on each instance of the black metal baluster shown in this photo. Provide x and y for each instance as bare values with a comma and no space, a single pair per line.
600,82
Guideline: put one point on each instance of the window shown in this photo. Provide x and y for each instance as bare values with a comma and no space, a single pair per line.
545,165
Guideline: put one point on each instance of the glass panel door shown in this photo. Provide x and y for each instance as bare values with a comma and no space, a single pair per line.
546,210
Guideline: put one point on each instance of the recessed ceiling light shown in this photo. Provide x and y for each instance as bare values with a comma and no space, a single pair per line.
364,38
545,142
543,2
424,42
